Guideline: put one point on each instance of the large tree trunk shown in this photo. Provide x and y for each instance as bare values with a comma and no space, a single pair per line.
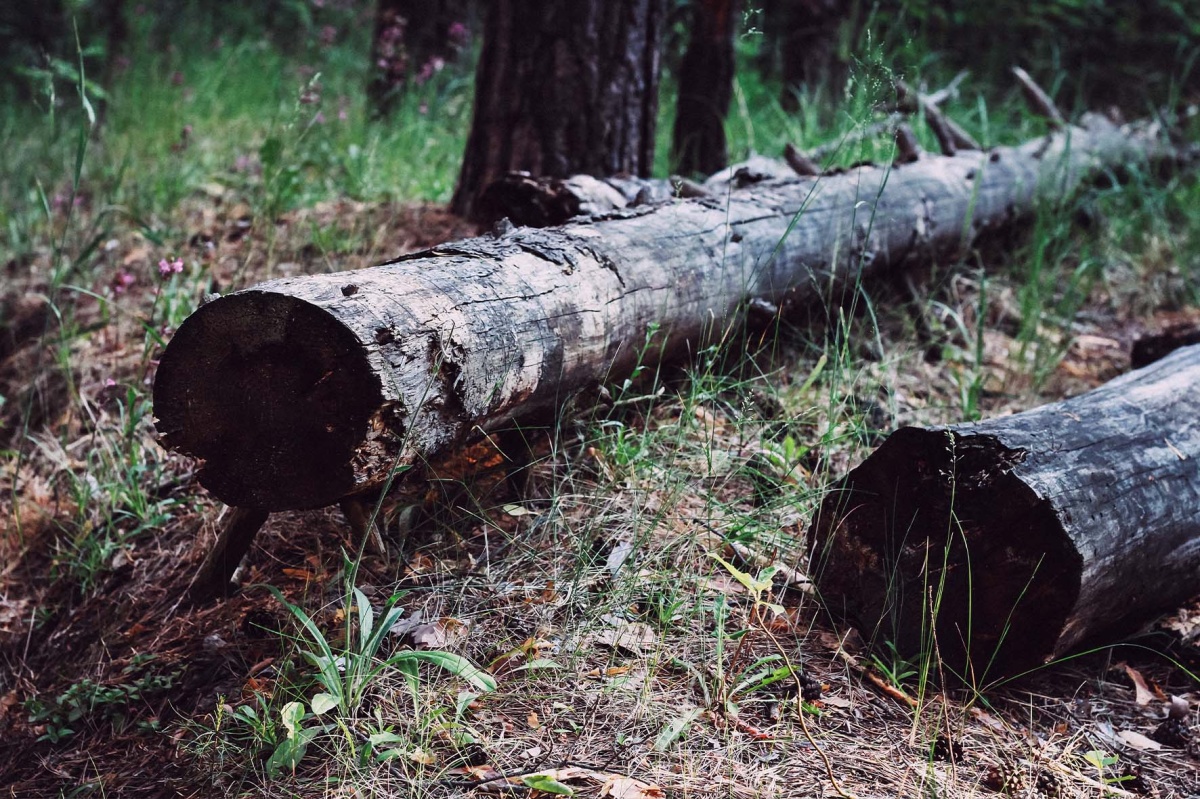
705,89
1003,544
304,390
563,87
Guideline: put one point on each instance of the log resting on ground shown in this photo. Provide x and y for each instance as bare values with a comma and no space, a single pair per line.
1032,534
301,391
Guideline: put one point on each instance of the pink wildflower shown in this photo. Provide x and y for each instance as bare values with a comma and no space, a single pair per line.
123,281
168,267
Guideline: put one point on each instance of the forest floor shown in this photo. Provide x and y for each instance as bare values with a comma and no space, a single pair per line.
630,663
606,587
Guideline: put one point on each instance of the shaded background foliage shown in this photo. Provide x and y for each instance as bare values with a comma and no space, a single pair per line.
1124,52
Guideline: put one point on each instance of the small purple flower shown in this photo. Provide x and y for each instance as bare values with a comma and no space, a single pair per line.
123,281
319,119
328,35
457,33
168,267
110,383
429,69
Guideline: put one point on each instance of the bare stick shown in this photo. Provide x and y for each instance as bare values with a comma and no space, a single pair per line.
1039,100
798,161
948,92
233,542
908,150
359,517
951,137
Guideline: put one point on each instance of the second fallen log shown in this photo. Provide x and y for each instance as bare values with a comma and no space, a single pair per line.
1004,544
301,391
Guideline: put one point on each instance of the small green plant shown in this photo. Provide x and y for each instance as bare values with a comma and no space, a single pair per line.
1105,764
727,681
88,702
345,674
895,668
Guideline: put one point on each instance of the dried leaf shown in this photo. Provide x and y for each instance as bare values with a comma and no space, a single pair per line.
1142,693
628,636
419,755
611,671
430,636
620,553
1137,740
533,720
621,787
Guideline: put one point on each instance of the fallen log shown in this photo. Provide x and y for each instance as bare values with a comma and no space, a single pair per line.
301,391
1007,543
529,201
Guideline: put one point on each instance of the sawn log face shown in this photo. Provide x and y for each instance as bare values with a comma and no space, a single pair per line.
303,390
1016,540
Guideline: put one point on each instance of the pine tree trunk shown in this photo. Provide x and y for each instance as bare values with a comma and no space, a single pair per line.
563,87
809,47
705,90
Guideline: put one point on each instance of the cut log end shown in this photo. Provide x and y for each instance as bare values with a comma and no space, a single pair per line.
935,514
273,395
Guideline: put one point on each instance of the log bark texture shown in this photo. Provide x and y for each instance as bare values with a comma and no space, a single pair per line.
304,390
1017,540
563,87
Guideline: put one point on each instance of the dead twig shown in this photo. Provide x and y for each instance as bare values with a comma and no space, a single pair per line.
1038,100
799,162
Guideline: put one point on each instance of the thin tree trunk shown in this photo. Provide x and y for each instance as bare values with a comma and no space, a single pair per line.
1003,544
705,89
563,87
810,45
304,390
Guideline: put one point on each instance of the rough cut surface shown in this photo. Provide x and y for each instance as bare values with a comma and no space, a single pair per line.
303,390
1030,534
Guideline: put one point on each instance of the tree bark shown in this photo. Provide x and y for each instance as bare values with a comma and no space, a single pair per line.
563,87
705,90
810,44
304,390
411,40
1004,544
